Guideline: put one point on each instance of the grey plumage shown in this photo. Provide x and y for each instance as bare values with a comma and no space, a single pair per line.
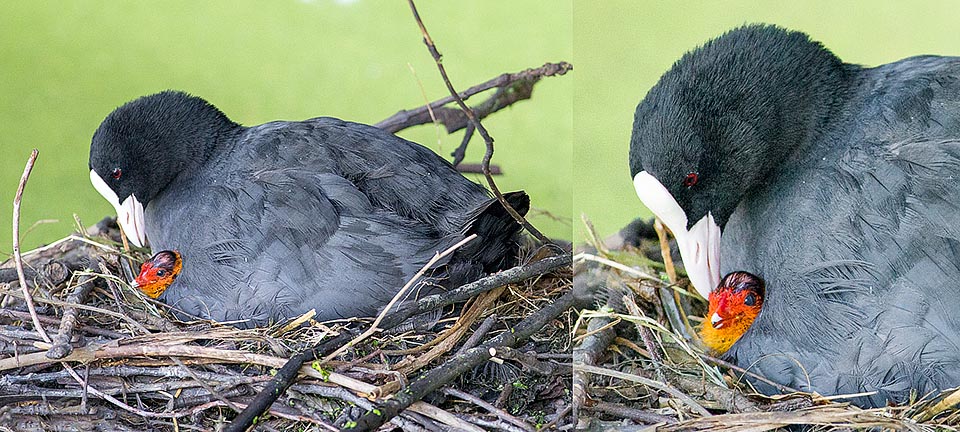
849,205
276,219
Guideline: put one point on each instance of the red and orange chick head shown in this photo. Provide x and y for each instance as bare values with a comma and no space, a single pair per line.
734,304
158,272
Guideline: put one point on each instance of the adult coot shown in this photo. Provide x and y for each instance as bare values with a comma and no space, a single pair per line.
271,221
836,184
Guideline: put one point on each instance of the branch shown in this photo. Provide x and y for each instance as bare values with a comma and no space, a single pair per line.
16,245
288,373
61,342
471,289
282,381
427,40
512,88
459,364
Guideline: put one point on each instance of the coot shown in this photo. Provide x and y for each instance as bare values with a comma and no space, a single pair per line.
273,220
836,184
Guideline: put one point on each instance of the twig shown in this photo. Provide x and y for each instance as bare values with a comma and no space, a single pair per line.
16,245
697,408
479,333
472,168
288,372
12,314
428,41
459,364
649,340
455,119
509,276
643,416
780,387
503,415
61,342
583,256
445,343
600,333
281,382
375,326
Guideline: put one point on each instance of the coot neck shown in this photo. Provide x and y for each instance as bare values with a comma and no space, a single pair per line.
205,139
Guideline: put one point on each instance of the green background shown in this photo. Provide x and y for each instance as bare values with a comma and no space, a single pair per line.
65,65
622,47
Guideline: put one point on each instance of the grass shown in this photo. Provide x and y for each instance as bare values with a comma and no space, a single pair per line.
622,47
64,66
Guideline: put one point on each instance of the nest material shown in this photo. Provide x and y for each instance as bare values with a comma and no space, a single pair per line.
128,364
638,366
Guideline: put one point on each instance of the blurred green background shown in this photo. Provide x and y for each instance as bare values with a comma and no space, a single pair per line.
65,65
622,47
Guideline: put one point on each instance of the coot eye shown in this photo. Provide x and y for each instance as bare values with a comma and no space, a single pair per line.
161,272
116,173
750,300
691,179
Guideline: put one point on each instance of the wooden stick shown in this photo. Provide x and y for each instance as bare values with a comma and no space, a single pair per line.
17,259
428,41
458,364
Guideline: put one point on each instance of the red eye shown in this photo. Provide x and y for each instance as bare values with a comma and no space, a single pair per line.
691,179
116,173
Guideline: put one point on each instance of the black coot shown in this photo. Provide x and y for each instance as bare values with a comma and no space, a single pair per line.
274,220
837,184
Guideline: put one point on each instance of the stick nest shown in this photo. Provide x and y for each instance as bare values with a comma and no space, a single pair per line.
139,368
638,365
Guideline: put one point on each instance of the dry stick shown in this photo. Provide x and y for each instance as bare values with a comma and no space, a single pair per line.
600,333
26,292
473,168
455,120
288,373
12,314
649,383
509,276
281,381
427,40
649,341
478,335
687,329
61,342
780,387
503,415
621,411
403,291
110,313
444,343
16,245
457,365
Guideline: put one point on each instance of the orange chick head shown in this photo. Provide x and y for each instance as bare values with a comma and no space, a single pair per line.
158,272
734,304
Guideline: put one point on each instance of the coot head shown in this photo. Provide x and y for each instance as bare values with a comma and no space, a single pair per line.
146,143
721,123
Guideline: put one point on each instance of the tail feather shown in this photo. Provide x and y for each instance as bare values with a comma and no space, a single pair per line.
496,245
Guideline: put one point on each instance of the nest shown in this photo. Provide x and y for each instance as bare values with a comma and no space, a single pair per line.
119,361
637,365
